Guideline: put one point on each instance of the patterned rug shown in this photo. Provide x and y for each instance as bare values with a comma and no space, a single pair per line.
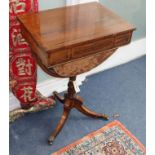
112,139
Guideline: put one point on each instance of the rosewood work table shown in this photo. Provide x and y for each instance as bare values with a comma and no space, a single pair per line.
71,40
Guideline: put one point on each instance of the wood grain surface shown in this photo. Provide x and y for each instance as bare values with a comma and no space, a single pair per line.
64,34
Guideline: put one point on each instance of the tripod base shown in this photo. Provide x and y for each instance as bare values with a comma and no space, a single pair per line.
71,100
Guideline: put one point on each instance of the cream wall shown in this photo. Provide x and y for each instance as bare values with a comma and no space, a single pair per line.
49,4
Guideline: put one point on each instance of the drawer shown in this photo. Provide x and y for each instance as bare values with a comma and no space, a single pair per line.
92,48
59,57
123,39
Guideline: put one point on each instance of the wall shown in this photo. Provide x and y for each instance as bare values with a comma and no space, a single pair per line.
49,4
133,11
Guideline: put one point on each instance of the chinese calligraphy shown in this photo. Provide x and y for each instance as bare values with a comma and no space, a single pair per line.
27,95
24,67
17,38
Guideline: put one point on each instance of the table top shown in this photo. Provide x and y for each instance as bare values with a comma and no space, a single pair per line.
72,25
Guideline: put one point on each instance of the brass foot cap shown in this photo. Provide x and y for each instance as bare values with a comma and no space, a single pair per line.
106,117
51,140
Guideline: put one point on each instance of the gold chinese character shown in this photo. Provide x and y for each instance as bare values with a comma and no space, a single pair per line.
17,38
16,6
27,95
24,68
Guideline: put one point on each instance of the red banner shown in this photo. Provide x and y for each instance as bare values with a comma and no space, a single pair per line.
23,74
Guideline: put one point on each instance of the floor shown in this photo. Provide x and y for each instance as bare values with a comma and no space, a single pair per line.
120,90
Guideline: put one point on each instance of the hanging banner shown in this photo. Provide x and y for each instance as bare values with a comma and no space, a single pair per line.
23,73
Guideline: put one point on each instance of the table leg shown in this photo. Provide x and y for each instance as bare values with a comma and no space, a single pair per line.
71,100
90,113
59,97
60,125
78,104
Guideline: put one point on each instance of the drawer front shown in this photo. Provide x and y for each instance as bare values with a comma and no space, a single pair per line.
59,57
83,50
123,39
92,48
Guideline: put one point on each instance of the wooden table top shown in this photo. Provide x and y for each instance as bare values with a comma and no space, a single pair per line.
68,27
